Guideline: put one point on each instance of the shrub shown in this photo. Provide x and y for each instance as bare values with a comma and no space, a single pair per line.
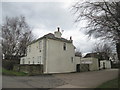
9,64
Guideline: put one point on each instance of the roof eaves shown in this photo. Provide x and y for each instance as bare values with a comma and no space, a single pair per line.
36,40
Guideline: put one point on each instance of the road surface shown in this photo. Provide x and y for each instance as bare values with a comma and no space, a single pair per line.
70,80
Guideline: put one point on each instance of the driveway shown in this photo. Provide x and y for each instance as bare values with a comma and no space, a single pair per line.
69,80
87,79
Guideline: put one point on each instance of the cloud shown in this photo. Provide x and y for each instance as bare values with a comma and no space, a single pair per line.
44,17
51,14
80,40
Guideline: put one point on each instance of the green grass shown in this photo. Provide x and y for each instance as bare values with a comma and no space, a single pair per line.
110,84
13,73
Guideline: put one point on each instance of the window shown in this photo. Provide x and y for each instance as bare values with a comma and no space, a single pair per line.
29,48
33,62
28,62
64,46
72,59
40,45
23,61
39,59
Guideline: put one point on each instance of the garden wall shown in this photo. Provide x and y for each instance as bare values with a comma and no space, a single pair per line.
31,69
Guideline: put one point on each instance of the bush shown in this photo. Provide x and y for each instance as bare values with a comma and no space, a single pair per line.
9,64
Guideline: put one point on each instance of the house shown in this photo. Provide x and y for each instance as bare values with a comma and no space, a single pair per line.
54,53
99,55
103,59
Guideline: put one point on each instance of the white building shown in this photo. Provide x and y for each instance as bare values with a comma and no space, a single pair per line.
56,54
105,64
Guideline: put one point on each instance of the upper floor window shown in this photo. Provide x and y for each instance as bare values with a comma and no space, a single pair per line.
64,46
29,48
40,46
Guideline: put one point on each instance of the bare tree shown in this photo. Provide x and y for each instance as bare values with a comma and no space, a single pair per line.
103,20
16,34
104,50
78,53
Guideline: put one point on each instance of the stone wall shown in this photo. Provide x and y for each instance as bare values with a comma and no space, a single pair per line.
30,69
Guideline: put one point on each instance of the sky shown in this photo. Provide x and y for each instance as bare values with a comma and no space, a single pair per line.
45,16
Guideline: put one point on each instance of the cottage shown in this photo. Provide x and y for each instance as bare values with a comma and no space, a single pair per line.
54,53
101,58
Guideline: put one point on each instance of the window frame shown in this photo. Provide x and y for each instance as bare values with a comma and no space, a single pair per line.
64,46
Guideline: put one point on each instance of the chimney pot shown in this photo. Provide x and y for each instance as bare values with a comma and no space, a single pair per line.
70,37
58,29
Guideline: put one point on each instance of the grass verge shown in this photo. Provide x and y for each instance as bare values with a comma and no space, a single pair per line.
13,73
110,84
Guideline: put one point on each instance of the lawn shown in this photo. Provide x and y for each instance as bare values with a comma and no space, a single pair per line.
110,84
13,73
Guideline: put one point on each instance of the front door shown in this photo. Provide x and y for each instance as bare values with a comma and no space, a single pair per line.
78,67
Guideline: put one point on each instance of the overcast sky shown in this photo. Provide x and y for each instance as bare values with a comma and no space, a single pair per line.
45,17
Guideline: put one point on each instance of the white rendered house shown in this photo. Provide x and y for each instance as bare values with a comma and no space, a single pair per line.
56,54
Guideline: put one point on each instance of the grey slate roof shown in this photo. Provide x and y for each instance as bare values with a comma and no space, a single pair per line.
51,36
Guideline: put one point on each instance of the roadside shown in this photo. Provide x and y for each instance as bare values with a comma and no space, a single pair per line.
110,84
12,73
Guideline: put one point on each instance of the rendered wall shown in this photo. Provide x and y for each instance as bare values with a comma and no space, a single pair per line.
93,63
35,55
59,60
107,64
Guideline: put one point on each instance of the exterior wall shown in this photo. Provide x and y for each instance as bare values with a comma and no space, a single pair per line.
34,53
94,66
77,60
59,60
30,69
93,63
107,64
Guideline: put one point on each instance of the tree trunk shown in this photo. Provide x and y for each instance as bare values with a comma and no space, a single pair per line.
118,53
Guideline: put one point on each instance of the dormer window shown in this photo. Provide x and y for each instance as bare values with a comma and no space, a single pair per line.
64,46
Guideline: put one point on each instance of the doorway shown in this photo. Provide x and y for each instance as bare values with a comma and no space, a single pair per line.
78,67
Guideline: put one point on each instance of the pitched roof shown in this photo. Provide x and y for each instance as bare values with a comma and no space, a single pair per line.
51,36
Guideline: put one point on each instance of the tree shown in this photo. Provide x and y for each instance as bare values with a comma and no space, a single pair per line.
104,51
103,20
16,34
78,53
